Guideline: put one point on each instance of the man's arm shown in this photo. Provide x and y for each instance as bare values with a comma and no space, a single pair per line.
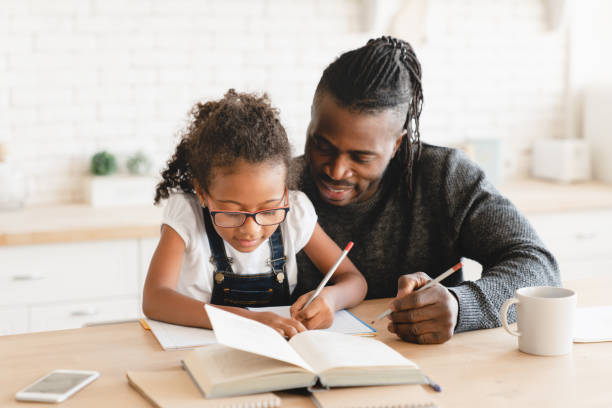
483,226
491,231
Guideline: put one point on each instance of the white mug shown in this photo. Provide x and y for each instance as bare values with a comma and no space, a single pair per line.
545,319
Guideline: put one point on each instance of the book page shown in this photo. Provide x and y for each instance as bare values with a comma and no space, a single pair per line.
327,350
344,321
249,335
222,363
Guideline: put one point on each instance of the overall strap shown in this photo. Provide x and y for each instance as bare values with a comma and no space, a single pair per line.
217,249
277,251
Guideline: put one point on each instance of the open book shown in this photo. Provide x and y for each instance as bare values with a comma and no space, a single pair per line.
251,357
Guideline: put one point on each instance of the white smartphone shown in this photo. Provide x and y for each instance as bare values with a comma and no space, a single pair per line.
57,385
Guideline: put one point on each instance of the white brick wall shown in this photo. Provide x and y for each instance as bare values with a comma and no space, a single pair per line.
78,76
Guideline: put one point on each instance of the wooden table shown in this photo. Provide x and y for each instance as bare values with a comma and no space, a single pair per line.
476,369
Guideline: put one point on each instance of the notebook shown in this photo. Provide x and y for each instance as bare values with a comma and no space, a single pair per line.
253,358
593,324
392,396
344,321
174,389
175,337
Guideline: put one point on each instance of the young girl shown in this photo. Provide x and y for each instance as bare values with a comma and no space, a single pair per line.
231,228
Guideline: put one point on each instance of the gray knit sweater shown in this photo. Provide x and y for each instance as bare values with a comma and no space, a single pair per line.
453,212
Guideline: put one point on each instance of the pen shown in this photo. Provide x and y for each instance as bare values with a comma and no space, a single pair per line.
433,385
428,285
329,274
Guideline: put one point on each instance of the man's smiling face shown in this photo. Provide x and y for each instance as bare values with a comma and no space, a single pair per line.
348,151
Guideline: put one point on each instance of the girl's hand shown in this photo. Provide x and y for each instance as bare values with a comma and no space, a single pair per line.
319,314
286,327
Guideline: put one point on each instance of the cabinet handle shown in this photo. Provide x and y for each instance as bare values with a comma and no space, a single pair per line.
85,312
28,277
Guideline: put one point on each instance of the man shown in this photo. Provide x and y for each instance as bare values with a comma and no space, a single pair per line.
409,206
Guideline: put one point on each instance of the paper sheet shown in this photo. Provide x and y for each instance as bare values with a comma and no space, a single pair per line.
593,324
172,336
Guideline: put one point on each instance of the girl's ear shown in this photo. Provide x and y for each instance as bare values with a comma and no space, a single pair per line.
199,193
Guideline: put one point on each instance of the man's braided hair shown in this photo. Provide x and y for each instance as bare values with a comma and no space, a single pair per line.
383,74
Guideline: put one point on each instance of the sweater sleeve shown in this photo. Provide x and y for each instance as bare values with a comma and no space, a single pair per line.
489,229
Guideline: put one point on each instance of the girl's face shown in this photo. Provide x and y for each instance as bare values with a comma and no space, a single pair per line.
246,187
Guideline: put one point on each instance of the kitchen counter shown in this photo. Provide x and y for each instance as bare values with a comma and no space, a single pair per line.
71,223
537,196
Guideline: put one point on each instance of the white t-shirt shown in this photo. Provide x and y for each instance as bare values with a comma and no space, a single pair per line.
183,213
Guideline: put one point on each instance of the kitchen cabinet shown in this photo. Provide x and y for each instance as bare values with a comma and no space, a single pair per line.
573,221
68,266
68,285
579,240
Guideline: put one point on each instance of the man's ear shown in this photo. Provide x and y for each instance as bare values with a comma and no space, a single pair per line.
398,141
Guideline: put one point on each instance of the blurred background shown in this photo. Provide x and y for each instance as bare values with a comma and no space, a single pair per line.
523,86
82,76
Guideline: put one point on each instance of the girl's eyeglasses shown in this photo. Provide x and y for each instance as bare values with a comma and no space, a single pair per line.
234,219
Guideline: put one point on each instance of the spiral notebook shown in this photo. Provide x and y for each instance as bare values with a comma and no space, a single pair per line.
173,388
391,396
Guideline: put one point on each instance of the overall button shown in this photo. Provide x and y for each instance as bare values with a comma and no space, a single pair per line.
219,277
280,277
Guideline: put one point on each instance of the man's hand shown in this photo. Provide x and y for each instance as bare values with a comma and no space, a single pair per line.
427,316
319,314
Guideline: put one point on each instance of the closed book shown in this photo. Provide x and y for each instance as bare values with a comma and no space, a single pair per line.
172,388
388,396
251,357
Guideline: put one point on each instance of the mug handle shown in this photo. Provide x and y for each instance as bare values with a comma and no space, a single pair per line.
504,315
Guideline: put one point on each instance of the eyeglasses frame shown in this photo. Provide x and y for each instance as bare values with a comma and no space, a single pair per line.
248,214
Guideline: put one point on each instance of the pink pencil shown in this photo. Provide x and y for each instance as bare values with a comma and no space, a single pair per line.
329,274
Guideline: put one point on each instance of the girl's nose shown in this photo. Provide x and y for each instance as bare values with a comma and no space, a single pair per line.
250,227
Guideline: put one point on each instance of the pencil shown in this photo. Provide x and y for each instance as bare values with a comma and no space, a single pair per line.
429,284
329,274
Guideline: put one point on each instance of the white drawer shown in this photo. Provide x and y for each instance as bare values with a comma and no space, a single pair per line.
13,321
75,315
576,235
63,272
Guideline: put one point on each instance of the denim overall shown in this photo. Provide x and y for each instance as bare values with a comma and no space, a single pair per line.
264,289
